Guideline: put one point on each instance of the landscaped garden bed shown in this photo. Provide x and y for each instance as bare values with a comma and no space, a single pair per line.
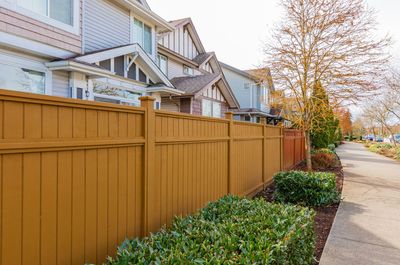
386,149
232,230
325,214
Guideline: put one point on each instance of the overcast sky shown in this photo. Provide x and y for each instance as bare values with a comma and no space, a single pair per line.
236,30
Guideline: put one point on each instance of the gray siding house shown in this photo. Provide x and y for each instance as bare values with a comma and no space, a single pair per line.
253,93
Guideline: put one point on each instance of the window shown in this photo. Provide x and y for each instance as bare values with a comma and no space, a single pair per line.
107,93
142,76
142,35
206,107
106,64
59,10
187,70
211,108
157,105
162,62
119,65
22,79
216,109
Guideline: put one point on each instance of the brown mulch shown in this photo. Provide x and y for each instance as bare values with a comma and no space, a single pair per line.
324,215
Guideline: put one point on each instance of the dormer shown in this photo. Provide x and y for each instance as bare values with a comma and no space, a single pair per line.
183,40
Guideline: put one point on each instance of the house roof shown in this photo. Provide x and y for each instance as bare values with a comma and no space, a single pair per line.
202,57
253,111
88,60
194,84
142,9
263,74
238,71
187,22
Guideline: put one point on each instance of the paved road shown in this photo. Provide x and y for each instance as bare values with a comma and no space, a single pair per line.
367,225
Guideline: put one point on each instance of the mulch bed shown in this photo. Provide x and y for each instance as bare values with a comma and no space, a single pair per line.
324,215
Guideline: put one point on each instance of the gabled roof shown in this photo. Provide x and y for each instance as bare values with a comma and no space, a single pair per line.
194,85
87,62
144,3
239,72
142,9
203,57
188,23
146,62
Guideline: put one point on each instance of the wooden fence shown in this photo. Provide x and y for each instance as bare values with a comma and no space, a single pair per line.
78,177
294,148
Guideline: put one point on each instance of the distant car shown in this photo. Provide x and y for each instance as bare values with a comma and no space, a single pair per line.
397,138
379,139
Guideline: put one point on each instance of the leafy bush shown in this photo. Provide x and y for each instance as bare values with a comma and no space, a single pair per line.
322,151
331,147
230,231
324,160
386,149
306,188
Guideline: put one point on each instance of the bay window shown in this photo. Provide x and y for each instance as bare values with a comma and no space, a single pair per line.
142,35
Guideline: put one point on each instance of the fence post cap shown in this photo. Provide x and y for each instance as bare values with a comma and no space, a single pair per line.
263,120
229,115
147,102
146,98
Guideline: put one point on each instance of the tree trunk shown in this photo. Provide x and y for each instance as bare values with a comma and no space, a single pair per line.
308,150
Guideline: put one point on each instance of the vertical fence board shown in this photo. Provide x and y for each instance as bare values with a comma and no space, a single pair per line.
12,209
31,209
49,209
64,207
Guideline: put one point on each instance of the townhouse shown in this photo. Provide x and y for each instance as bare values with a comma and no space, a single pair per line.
194,71
109,51
253,89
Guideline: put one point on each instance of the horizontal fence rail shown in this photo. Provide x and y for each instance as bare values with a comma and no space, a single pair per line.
79,177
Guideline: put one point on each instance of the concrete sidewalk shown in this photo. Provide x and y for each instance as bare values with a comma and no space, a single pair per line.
366,229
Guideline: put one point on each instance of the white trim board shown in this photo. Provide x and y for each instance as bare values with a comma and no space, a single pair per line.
33,47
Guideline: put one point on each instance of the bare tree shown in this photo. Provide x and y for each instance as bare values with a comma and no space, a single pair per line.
326,41
378,113
392,93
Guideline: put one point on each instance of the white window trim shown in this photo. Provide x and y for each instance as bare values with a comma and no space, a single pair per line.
28,63
159,63
75,28
154,44
189,68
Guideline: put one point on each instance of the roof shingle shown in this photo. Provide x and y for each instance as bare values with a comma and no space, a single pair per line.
193,84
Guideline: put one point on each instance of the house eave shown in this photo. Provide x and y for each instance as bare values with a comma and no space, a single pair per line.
137,8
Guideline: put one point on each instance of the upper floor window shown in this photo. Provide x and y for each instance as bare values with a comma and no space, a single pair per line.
162,62
187,70
61,10
143,35
59,13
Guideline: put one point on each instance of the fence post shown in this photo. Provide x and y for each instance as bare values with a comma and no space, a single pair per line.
282,148
150,204
263,121
229,116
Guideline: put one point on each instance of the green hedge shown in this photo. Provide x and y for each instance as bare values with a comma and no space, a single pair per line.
306,188
230,231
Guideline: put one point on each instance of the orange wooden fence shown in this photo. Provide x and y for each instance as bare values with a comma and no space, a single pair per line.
294,148
79,177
